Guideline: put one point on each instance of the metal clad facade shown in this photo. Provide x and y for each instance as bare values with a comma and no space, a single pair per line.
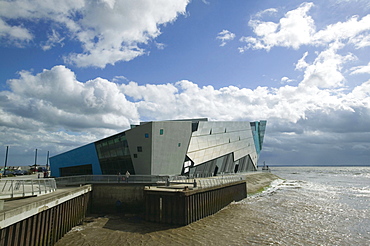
167,148
216,139
85,155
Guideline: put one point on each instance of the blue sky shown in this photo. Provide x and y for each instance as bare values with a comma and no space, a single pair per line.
72,72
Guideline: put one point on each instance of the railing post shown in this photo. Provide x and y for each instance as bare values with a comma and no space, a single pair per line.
32,187
38,181
12,189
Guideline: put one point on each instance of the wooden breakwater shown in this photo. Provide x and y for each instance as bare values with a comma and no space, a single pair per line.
182,207
43,220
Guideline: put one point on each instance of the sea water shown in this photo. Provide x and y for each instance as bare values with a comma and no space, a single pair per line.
307,206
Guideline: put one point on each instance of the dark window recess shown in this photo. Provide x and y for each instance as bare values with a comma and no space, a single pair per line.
76,170
194,126
139,149
161,131
114,155
146,135
135,155
116,165
179,145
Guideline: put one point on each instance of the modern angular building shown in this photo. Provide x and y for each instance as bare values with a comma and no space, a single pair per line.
195,147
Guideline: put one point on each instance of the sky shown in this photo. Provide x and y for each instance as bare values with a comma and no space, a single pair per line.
76,71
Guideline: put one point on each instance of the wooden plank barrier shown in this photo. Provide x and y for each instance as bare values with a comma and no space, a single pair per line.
183,207
48,226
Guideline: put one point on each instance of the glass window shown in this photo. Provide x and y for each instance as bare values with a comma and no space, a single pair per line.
179,145
161,132
146,135
135,155
139,149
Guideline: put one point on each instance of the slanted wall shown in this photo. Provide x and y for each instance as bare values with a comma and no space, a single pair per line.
170,144
159,148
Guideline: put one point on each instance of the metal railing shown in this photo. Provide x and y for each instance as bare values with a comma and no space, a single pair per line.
218,180
114,179
16,188
205,182
166,180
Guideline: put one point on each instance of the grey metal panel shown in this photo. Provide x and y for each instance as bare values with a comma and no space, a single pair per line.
164,151
215,139
135,138
169,149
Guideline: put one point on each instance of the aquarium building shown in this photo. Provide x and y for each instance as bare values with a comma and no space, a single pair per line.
194,147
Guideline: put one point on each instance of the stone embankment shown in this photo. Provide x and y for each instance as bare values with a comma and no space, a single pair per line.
257,181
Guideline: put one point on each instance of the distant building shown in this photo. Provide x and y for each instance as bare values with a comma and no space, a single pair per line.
195,147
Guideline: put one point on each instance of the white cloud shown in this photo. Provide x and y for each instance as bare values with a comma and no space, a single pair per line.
52,107
160,46
269,11
361,69
360,41
285,80
53,38
344,30
293,30
325,71
58,99
17,33
225,36
297,28
109,31
302,64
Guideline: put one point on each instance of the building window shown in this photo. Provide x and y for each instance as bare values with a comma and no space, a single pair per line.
139,149
135,155
179,145
160,131
146,135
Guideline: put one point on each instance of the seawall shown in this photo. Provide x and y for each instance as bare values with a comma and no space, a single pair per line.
257,181
131,197
105,197
43,220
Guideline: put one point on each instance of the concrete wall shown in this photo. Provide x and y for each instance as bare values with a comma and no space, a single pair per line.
104,198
